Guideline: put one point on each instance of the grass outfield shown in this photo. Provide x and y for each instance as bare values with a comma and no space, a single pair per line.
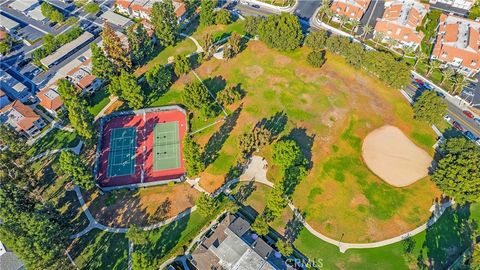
441,245
329,110
97,101
100,250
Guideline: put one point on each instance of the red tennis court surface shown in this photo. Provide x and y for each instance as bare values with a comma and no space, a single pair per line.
144,123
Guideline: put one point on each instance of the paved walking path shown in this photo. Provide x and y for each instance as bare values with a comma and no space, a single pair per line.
110,103
76,149
199,47
130,251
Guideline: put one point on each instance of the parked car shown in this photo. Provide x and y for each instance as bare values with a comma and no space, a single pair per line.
447,118
24,62
477,120
418,82
470,136
427,86
469,114
478,142
36,72
255,6
440,94
457,126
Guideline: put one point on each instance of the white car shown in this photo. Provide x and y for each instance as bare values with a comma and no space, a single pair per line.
478,142
447,118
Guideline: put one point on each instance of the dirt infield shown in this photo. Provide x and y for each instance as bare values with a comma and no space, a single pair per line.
394,158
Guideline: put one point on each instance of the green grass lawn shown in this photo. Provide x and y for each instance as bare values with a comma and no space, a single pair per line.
441,244
55,139
219,31
97,101
328,111
100,250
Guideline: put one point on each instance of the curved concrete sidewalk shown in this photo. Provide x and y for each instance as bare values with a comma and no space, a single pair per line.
199,47
76,149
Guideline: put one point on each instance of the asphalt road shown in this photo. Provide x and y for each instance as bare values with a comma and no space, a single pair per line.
305,9
453,110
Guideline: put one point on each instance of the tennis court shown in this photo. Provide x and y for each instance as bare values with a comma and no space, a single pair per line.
121,157
166,146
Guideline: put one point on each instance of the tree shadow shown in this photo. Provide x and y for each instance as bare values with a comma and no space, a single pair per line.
215,84
447,238
275,124
294,226
244,191
305,141
161,212
216,141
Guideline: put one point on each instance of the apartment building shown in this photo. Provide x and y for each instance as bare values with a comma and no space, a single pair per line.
50,99
463,4
457,44
400,21
353,9
81,76
22,118
143,8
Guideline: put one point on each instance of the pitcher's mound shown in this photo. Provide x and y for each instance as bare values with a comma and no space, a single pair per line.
394,158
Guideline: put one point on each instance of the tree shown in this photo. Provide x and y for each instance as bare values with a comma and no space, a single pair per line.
207,13
260,225
56,16
102,67
474,261
447,74
337,44
196,96
92,8
46,9
429,107
251,25
276,201
136,235
206,205
229,95
367,29
193,156
354,24
282,32
322,11
16,144
159,78
343,20
432,66
164,21
114,49
316,40
209,48
284,247
72,166
316,58
141,45
457,173
287,153
6,44
459,82
234,42
181,65
80,118
126,87
223,17
419,56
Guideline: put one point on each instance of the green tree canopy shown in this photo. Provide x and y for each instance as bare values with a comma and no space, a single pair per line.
251,25
260,225
102,67
92,7
284,247
141,45
196,97
276,201
457,173
159,78
316,58
114,48
73,167
282,32
16,144
193,156
80,118
136,235
223,17
207,13
165,22
126,87
429,107
206,205
287,153
316,40
181,65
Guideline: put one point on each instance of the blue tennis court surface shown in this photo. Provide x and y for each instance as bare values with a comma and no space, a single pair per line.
121,157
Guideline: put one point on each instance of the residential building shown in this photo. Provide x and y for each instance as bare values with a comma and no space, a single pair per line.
8,24
8,259
81,76
50,99
463,4
400,21
232,245
13,88
116,19
4,100
143,8
352,9
66,50
22,118
457,44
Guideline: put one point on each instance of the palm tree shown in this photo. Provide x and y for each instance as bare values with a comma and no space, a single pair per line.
322,11
343,19
447,74
392,42
459,82
329,13
433,65
419,56
367,29
378,37
407,50
354,24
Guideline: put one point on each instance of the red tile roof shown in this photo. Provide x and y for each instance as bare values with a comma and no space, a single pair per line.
49,98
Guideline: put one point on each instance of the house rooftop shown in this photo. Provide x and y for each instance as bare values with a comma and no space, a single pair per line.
67,48
49,98
19,115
